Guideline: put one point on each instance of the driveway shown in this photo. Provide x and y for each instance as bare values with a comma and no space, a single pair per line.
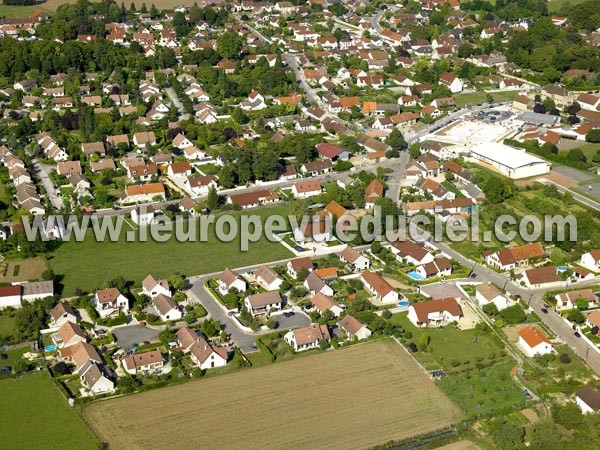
126,336
298,320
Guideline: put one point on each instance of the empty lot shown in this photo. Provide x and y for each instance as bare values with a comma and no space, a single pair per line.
351,398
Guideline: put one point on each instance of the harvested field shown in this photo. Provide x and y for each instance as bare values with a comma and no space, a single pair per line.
352,398
460,445
22,270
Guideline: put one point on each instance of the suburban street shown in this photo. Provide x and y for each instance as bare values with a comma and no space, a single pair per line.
43,172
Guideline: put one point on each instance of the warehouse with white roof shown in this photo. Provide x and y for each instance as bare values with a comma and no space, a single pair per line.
509,161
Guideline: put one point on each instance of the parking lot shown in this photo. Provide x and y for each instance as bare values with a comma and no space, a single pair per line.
126,336
297,320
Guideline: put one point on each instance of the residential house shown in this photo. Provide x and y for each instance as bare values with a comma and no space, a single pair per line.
353,328
315,284
588,399
202,352
166,308
253,199
315,168
411,253
439,267
452,82
110,302
144,139
143,362
297,264
511,258
306,189
568,300
200,185
591,260
267,278
143,215
435,313
307,338
536,277
323,303
61,314
97,378
263,303
68,334
379,287
140,193
231,280
488,293
354,260
153,287
373,192
534,342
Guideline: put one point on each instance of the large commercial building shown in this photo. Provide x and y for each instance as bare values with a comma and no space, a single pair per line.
509,161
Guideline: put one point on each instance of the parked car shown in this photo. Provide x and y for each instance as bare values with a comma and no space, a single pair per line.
544,310
142,324
577,334
473,275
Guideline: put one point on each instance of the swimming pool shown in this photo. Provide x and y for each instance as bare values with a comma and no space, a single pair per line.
562,268
404,303
50,348
414,275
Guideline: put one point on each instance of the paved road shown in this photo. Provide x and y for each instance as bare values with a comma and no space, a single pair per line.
177,102
43,173
580,198
534,298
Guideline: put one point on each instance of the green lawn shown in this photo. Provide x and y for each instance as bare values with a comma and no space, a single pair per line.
35,416
448,185
589,150
89,265
556,5
7,325
478,97
450,348
484,392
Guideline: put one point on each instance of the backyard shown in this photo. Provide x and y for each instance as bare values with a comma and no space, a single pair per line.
33,406
479,97
89,265
403,402
451,349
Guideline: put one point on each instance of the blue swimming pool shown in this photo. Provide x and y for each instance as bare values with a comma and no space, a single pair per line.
404,303
50,348
414,275
562,268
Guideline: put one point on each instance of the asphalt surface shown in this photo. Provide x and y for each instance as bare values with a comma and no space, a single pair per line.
42,172
127,335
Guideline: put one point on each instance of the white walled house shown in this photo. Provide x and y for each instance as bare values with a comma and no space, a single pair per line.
166,308
143,362
259,304
378,287
153,287
354,260
229,280
487,293
110,302
354,328
307,338
438,312
204,354
533,342
268,278
591,260
588,399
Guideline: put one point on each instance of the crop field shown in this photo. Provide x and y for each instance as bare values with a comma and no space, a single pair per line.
352,398
35,416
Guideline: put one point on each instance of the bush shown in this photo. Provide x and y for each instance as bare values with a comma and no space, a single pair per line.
564,358
576,316
272,324
387,315
412,347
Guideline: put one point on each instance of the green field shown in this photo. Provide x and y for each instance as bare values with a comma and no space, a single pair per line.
450,348
18,11
484,392
476,98
7,324
35,416
89,265
556,5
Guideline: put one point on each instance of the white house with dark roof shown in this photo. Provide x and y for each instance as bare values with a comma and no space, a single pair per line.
153,287
267,278
263,303
591,260
110,302
297,264
488,293
353,328
588,399
201,351
354,259
166,308
62,313
230,280
143,362
306,338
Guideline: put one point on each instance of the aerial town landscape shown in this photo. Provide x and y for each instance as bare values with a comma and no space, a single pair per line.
332,119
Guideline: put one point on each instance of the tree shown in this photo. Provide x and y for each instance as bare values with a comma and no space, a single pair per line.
213,200
568,415
576,316
424,342
396,140
376,247
178,281
302,274
513,315
229,45
386,314
593,136
490,309
323,344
